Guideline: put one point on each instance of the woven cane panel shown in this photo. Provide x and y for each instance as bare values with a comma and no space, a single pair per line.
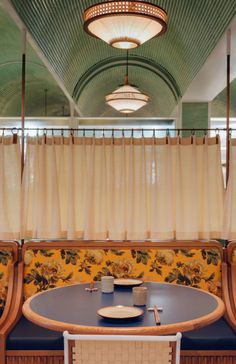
125,352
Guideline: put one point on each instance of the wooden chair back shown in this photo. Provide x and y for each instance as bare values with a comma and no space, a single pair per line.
121,349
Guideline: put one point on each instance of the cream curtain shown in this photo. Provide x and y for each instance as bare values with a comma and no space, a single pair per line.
10,186
230,200
122,188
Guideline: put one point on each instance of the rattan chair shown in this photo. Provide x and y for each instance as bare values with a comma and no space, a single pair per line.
121,349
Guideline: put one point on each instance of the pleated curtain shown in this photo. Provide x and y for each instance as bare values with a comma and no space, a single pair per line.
122,188
10,187
229,232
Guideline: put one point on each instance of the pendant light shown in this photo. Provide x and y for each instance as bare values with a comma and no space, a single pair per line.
125,24
127,98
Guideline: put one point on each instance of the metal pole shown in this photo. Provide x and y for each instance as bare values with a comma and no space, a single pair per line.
23,99
228,106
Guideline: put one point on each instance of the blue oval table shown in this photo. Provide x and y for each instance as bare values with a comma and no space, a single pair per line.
74,309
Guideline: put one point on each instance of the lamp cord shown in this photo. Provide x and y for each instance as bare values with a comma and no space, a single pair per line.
127,69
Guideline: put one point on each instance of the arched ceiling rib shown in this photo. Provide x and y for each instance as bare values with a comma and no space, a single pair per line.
142,63
194,29
91,102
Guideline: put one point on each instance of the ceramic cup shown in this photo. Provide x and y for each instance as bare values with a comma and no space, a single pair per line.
107,284
140,296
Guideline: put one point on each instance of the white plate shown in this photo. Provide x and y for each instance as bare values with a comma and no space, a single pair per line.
120,312
127,282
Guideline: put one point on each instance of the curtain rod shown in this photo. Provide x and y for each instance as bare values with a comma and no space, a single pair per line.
15,129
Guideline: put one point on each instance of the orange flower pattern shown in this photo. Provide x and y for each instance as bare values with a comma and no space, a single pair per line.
5,263
45,269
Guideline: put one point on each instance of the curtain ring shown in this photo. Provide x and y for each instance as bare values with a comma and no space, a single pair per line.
14,133
2,135
45,135
112,135
72,135
14,130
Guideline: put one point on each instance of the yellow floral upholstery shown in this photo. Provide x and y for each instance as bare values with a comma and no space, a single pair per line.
234,256
45,269
6,259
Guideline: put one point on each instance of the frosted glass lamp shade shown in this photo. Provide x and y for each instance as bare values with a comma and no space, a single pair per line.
127,99
125,24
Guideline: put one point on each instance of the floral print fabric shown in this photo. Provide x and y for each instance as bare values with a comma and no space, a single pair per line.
5,262
234,256
45,269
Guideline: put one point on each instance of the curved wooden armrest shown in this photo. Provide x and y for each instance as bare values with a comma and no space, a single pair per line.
15,309
232,285
229,313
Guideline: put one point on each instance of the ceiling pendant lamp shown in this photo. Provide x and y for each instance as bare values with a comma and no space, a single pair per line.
125,24
127,98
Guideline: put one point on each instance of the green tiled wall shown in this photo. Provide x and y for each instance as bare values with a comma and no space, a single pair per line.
194,115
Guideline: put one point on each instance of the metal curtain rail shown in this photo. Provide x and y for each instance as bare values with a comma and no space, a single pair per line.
15,129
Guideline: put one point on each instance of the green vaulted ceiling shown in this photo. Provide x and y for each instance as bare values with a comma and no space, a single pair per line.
38,77
163,67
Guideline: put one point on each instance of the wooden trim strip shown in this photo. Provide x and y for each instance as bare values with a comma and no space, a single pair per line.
230,248
50,353
232,283
213,353
88,244
15,311
229,315
56,353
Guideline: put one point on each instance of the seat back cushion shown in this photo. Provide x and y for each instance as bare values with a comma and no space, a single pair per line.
54,267
234,253
6,260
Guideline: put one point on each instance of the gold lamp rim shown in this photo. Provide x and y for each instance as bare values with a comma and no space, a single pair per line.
119,97
159,19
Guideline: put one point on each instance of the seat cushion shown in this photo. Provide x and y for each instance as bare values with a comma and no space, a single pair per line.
27,336
217,336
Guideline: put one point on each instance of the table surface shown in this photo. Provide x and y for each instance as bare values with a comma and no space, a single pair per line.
74,309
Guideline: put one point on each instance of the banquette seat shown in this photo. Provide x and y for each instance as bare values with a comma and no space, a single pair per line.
56,263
